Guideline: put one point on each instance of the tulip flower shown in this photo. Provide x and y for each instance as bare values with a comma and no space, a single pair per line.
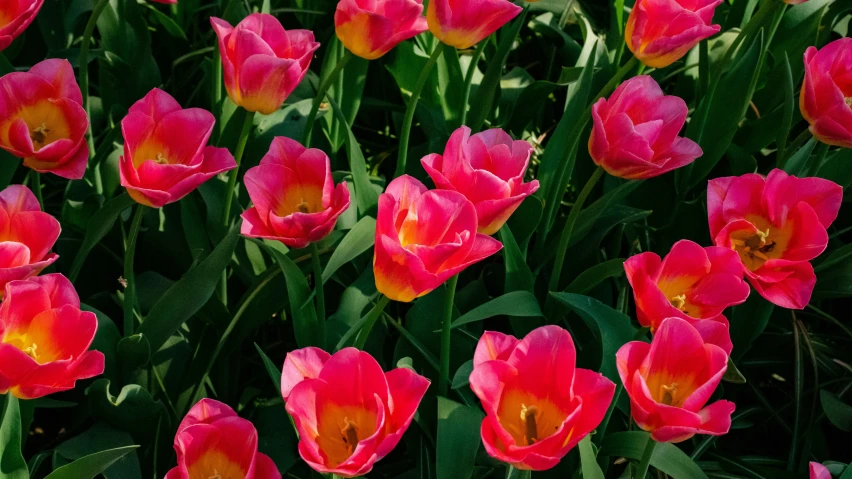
661,32
531,423
213,442
167,2
28,234
15,17
827,92
488,169
635,131
165,153
372,28
423,238
295,200
670,380
691,283
464,24
818,471
262,63
348,412
44,338
777,225
42,119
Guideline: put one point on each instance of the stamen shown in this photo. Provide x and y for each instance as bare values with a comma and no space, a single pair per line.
215,475
31,351
350,434
303,207
848,100
528,415
39,135
668,393
160,159
679,301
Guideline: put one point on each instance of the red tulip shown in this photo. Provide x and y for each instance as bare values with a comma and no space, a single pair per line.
424,238
827,92
670,380
42,119
488,169
691,283
295,200
349,413
213,442
463,24
635,131
27,235
44,338
660,32
15,17
371,28
818,471
532,418
165,152
776,225
262,62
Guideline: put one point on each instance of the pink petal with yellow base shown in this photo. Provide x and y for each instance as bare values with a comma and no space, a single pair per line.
464,24
26,235
371,28
15,17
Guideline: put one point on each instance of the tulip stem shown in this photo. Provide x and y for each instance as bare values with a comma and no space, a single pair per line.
616,79
405,132
238,157
642,468
318,286
446,330
513,473
468,77
130,281
368,322
84,69
324,85
35,184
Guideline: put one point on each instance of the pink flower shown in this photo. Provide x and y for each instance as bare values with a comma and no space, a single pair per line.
15,17
295,200
42,119
463,24
212,441
635,131
262,62
660,32
371,28
44,338
349,413
776,225
423,238
488,169
827,92
165,152
670,380
26,235
532,418
818,471
166,1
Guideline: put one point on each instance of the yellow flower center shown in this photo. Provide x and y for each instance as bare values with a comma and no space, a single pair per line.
756,247
679,302
161,159
300,199
668,394
529,419
39,136
341,428
215,464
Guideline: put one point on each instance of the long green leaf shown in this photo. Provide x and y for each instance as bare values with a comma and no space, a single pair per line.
98,227
308,330
515,303
458,439
837,411
271,368
587,280
358,240
591,469
667,457
365,195
12,463
90,466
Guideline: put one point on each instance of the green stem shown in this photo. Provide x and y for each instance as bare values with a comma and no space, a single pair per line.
468,77
513,473
35,184
84,69
820,154
446,330
642,468
325,84
232,178
129,253
405,133
315,257
615,80
370,321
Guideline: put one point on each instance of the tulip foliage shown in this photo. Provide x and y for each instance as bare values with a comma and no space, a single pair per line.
434,239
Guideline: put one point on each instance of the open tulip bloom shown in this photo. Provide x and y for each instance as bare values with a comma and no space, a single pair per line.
27,235
827,92
15,17
371,28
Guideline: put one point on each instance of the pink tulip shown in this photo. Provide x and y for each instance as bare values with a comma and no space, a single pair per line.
776,225
488,169
818,471
691,283
660,32
165,152
27,234
213,442
371,28
167,2
349,413
532,422
44,338
670,380
262,62
15,17
635,131
42,119
463,24
295,200
827,92
424,238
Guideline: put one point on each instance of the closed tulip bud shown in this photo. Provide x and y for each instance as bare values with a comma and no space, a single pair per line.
165,150
818,471
826,98
42,119
661,32
15,17
262,63
463,24
372,28
28,235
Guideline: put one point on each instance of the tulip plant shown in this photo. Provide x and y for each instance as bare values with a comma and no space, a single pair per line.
442,239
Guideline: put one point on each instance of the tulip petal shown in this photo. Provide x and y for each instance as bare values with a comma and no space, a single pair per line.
301,364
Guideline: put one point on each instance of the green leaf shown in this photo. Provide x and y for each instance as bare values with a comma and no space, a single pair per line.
837,411
591,469
308,330
365,195
799,160
788,109
168,24
98,438
90,466
99,225
587,280
12,463
667,458
515,303
462,376
271,368
358,240
836,167
748,322
133,410
347,91
450,83
732,374
518,274
458,439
